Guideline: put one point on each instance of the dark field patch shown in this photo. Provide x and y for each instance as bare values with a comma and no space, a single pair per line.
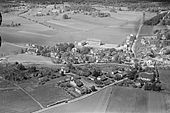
16,101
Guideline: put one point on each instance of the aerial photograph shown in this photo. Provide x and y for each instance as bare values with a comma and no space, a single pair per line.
84,56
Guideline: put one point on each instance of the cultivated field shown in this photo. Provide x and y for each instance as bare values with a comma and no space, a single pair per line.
16,101
164,77
29,59
112,29
9,49
28,96
119,100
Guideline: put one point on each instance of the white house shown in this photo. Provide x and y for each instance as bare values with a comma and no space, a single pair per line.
73,83
77,90
149,63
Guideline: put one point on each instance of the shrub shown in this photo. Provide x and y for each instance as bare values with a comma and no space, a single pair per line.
93,88
32,69
21,67
79,83
147,86
65,16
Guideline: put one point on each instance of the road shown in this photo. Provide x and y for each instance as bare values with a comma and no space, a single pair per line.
137,36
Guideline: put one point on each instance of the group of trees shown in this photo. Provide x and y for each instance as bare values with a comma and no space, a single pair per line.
65,46
18,72
156,86
0,25
65,16
155,20
15,72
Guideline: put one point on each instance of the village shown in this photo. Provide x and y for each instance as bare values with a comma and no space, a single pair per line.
78,59
77,69
143,55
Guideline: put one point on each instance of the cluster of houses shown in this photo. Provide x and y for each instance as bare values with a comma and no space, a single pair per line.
75,87
97,13
137,77
93,51
82,54
156,48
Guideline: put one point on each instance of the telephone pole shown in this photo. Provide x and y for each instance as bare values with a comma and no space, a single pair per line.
0,18
143,17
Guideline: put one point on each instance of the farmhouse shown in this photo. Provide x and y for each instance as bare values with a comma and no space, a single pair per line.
146,76
94,42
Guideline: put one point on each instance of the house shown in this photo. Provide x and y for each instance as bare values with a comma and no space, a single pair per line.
55,11
73,92
146,76
94,42
149,63
78,91
39,13
143,42
102,78
92,78
72,82
63,70
150,37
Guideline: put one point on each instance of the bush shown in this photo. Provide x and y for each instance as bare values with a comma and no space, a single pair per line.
113,10
21,67
65,16
79,83
147,86
32,69
93,88
84,50
157,87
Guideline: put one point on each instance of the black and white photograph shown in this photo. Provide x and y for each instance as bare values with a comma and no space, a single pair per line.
84,56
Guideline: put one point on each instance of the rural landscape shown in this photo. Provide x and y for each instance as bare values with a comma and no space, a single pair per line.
84,56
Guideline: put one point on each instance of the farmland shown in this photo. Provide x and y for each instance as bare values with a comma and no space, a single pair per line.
107,29
26,94
8,49
117,99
